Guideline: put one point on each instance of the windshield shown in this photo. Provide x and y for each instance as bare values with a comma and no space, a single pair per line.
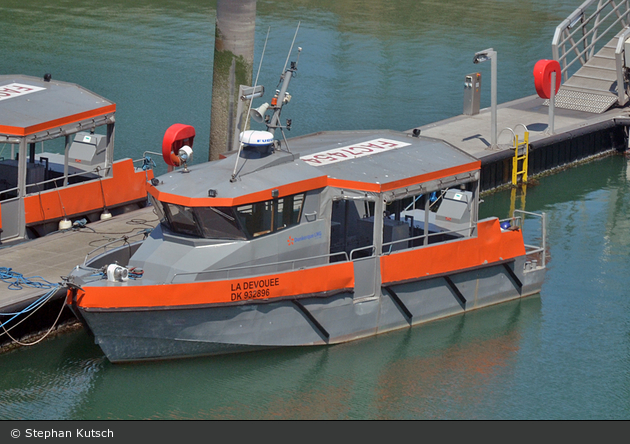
239,223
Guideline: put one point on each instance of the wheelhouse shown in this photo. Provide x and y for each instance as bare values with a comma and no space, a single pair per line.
367,193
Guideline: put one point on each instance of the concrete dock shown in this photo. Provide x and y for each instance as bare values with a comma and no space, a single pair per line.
473,133
577,135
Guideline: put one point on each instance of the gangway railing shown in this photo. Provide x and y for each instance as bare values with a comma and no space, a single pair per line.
586,31
576,38
620,66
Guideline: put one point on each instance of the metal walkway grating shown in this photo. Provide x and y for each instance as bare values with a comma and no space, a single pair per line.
583,101
593,88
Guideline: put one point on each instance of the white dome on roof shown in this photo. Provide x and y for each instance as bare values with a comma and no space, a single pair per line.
256,138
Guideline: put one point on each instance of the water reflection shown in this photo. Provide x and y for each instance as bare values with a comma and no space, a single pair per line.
393,376
50,382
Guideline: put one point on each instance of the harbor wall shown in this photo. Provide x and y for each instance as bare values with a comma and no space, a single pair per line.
557,151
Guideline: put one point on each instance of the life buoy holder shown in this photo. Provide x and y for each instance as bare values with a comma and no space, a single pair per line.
175,137
542,77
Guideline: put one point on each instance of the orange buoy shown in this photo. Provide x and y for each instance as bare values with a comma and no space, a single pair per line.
542,77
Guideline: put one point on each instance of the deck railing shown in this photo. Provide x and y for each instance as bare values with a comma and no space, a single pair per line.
248,270
532,251
98,171
580,35
458,234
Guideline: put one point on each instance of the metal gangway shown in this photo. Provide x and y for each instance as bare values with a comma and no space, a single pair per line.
589,44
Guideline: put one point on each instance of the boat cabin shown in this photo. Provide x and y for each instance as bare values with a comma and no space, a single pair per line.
57,157
327,197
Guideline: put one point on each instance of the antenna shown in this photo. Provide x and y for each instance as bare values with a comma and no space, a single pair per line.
290,49
281,94
240,145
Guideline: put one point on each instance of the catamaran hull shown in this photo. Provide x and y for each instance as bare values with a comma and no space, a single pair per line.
175,332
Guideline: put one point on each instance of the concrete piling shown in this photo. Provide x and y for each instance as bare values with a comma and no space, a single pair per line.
233,66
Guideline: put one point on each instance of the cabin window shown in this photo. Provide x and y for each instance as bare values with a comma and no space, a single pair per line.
182,219
262,218
219,223
289,211
206,222
242,222
256,218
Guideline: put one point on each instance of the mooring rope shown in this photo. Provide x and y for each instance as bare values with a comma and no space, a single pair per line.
17,281
32,310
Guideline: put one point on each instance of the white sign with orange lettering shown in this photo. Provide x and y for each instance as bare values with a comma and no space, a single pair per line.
353,151
16,90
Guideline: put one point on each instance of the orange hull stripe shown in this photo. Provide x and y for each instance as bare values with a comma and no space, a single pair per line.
126,185
20,131
293,283
491,245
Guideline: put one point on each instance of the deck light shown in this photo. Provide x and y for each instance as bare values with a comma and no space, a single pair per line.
185,154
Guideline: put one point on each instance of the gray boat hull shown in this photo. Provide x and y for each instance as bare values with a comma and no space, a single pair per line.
176,332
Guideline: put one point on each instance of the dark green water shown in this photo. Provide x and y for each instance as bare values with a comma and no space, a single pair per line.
563,354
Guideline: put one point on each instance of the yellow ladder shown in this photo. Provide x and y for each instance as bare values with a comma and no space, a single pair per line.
519,162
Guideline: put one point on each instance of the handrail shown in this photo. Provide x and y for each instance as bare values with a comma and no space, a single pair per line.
469,228
370,247
619,56
9,190
144,156
94,171
293,263
535,249
578,21
123,239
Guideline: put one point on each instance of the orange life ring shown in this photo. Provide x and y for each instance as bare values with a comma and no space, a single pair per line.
175,137
542,77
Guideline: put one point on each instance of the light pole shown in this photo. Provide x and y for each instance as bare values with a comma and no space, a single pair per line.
482,56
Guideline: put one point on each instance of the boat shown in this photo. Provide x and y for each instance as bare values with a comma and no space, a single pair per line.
56,147
315,240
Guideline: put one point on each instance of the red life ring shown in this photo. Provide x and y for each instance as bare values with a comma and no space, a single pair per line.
175,137
542,77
